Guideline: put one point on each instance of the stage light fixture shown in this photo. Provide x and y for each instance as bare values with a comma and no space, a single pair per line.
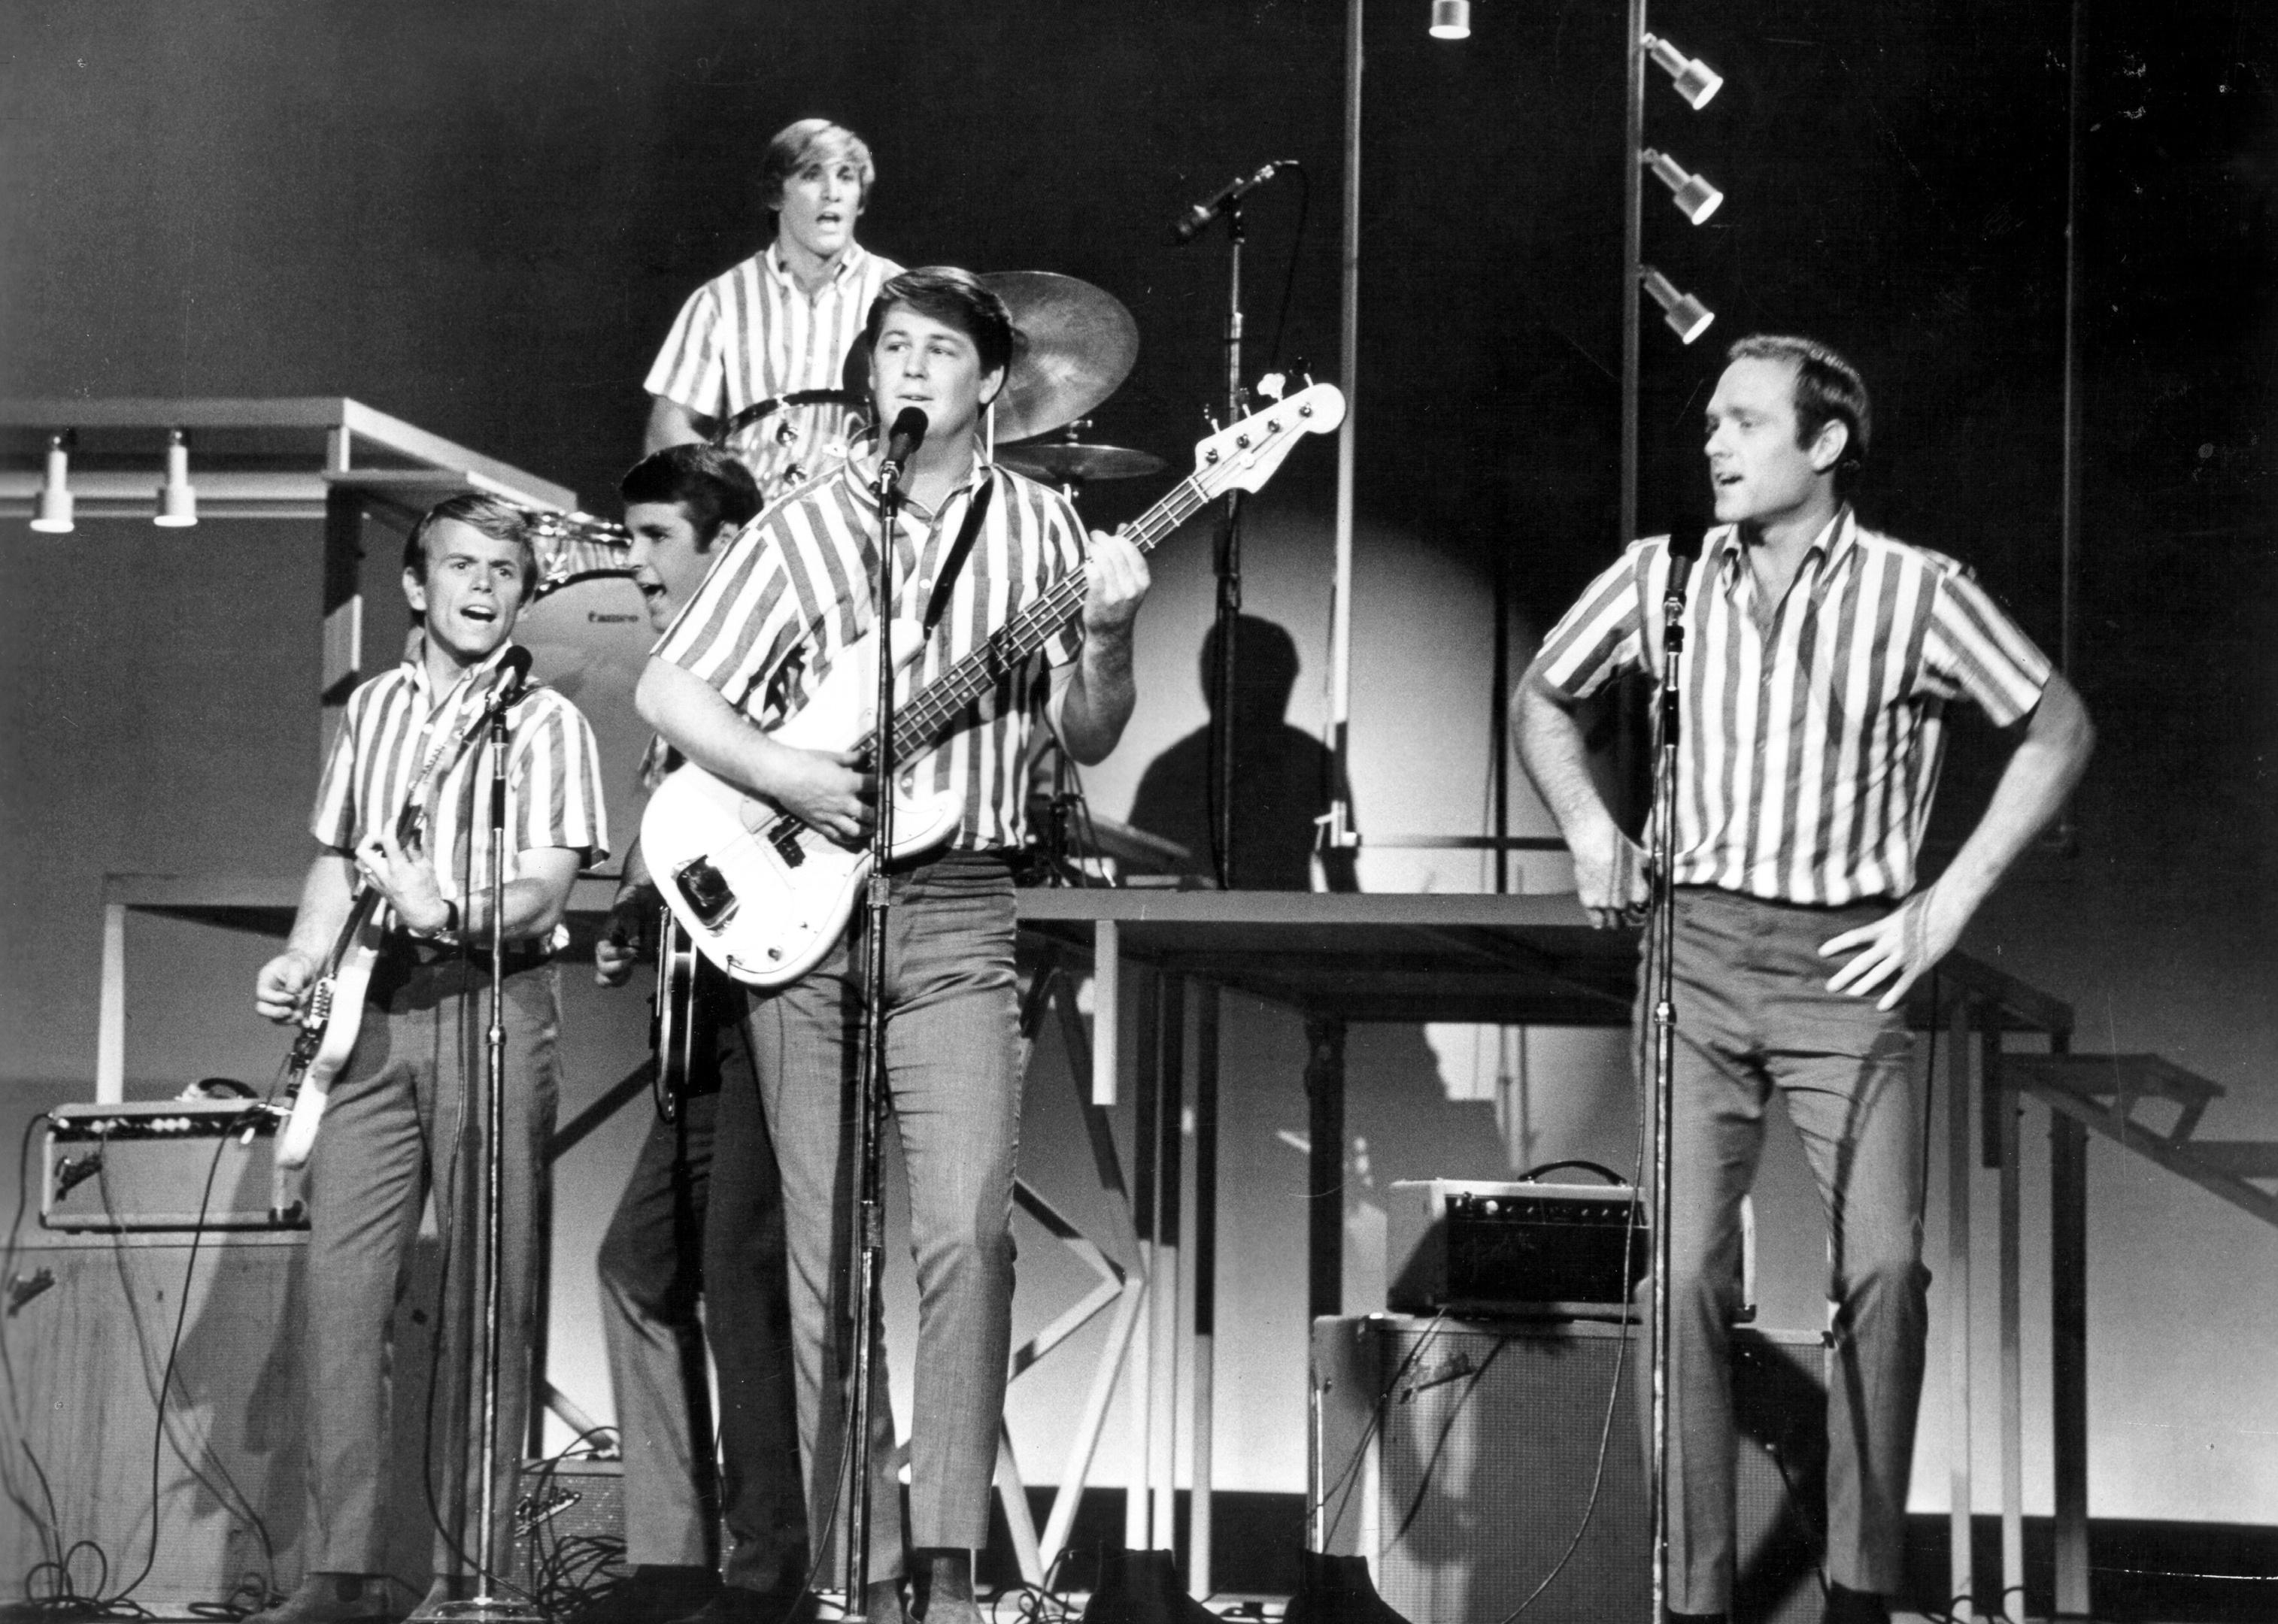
54,517
1687,317
1695,80
1695,199
177,503
1451,19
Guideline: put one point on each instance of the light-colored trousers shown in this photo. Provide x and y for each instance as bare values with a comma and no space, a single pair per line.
1754,1016
407,1113
951,1048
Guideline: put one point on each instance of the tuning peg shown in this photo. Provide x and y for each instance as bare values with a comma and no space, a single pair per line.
1211,419
1274,385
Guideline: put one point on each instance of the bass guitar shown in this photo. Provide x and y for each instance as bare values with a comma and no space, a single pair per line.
762,894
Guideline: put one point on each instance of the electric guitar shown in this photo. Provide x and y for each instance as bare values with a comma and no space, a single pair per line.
675,1015
335,1011
762,894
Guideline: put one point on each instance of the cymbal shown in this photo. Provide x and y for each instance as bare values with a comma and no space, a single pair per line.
1065,463
1081,343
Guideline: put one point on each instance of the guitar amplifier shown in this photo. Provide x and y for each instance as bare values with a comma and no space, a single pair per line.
168,1165
1469,1247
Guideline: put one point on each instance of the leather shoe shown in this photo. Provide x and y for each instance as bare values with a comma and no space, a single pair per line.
732,1604
652,1593
1846,1605
333,1598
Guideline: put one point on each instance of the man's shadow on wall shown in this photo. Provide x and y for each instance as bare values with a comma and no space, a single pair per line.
1283,777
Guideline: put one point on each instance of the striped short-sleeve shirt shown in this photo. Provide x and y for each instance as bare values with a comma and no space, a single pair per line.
1810,744
793,590
750,334
398,736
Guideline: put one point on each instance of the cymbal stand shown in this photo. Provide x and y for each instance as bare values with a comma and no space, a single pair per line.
868,1259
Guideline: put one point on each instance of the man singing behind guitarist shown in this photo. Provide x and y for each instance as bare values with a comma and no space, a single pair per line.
781,608
689,1227
406,1112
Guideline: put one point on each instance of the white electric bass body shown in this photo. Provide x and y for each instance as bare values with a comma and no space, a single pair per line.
762,894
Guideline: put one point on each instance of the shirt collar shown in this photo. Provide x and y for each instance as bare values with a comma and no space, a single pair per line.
861,470
849,263
1835,540
415,656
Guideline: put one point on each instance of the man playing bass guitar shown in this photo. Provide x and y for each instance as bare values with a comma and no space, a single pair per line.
405,1113
785,601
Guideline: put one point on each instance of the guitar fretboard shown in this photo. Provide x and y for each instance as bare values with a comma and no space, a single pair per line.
918,722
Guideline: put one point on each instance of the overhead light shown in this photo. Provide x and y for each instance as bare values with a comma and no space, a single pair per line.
1451,19
1695,80
177,503
54,517
1687,317
1696,200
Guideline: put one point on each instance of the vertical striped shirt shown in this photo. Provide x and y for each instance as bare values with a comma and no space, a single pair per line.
1810,742
750,334
793,590
396,725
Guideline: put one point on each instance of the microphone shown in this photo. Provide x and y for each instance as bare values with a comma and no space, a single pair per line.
1234,191
513,671
902,442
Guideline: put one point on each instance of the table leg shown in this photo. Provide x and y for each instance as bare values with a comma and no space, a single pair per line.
1325,1240
1199,1581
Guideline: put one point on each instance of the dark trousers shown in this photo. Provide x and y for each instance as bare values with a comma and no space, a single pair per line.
691,1228
1755,1018
406,1117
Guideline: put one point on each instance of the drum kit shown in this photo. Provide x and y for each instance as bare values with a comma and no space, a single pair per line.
1076,346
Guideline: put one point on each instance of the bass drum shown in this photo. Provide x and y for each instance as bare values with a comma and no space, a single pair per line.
588,640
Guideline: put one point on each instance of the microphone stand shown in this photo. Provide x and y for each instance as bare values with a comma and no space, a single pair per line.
1229,576
487,1608
870,1210
1661,955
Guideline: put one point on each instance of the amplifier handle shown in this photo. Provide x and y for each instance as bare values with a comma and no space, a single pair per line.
1534,1174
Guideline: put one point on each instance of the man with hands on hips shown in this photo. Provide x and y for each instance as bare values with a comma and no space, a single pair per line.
1819,658
406,1112
784,603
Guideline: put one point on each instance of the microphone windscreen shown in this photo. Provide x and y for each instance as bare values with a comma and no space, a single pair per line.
907,434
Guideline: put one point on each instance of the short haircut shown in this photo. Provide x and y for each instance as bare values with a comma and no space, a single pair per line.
1828,389
812,140
956,299
491,516
712,487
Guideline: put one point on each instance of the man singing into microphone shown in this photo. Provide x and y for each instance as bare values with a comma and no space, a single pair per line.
407,1113
1819,659
780,609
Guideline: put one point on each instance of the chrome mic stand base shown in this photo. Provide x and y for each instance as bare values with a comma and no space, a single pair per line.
484,1610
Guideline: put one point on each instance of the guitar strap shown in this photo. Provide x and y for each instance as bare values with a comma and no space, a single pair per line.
976,515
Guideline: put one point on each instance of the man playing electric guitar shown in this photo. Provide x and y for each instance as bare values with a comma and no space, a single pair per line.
406,1112
785,603
689,1226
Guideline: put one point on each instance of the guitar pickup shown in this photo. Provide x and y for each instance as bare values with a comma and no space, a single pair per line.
785,838
706,891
